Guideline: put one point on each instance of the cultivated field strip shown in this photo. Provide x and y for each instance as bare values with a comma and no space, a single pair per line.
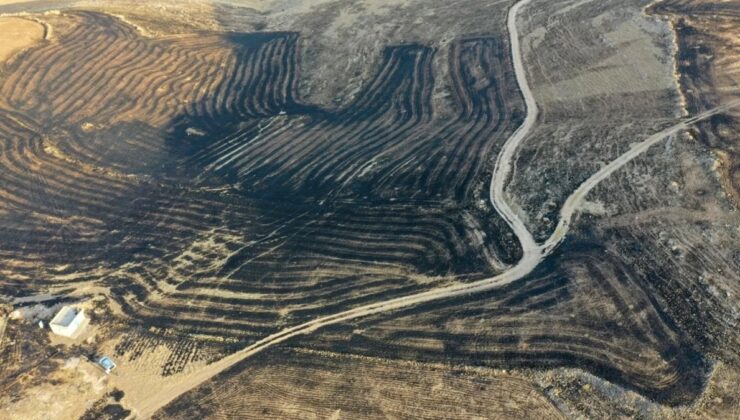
103,72
186,175
324,210
179,354
589,311
317,385
394,102
533,255
387,142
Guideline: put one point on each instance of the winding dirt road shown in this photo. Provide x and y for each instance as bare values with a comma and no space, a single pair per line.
504,160
533,253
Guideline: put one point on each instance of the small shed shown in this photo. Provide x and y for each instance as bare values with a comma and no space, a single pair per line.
67,321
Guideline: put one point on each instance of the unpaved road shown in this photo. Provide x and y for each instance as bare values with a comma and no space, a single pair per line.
533,253
505,159
574,200
532,256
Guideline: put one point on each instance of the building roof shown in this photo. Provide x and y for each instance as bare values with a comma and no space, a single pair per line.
65,316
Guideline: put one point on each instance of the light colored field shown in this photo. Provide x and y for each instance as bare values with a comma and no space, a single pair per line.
306,384
17,34
66,395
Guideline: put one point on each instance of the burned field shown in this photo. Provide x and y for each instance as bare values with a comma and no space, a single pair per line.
250,206
708,51
190,184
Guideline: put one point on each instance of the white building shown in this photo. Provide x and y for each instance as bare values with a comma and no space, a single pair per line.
68,321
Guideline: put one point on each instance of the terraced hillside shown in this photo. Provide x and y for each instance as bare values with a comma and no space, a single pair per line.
250,206
489,208
587,309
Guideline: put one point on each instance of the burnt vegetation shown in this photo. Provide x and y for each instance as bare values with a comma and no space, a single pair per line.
188,177
584,307
707,56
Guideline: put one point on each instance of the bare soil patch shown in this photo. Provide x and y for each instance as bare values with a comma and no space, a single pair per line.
17,34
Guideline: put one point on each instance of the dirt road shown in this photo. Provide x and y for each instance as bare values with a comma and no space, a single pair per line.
533,253
505,159
572,204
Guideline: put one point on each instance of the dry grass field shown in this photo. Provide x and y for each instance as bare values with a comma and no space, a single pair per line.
308,385
207,176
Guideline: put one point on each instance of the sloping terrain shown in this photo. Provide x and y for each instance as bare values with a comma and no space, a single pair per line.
18,34
311,385
709,74
131,125
495,201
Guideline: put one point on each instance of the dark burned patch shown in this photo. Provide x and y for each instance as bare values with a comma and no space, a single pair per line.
183,350
271,203
687,304
262,84
195,162
26,359
583,308
381,188
341,158
108,407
